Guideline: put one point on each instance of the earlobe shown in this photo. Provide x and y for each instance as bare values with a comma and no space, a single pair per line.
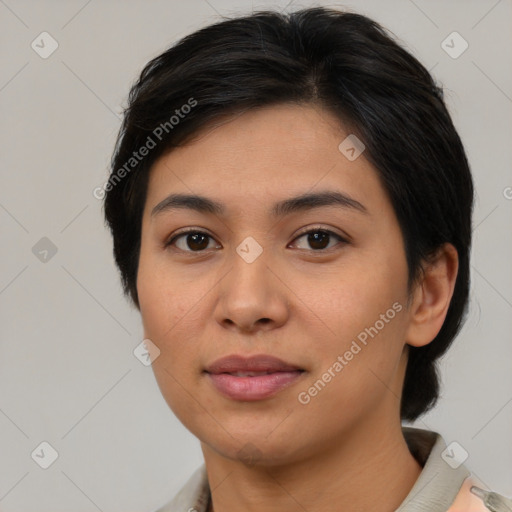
432,296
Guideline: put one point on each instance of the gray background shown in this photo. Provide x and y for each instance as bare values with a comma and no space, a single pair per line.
68,375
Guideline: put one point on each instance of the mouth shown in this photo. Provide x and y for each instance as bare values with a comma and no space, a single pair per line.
252,378
252,366
254,374
253,386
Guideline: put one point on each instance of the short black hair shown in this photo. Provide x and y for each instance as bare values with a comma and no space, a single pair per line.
342,61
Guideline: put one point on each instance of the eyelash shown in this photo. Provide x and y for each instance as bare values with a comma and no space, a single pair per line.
342,240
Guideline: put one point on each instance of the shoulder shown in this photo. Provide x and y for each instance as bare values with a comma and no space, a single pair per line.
193,496
472,498
445,483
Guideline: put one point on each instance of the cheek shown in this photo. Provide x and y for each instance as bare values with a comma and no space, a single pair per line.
169,316
173,314
360,316
353,299
165,297
353,377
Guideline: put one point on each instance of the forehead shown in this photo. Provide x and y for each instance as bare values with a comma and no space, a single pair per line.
264,155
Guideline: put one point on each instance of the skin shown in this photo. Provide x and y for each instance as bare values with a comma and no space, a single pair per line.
344,450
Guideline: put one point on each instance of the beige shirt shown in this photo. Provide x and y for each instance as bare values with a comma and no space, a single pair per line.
444,485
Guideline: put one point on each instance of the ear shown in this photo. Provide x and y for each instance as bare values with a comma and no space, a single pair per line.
432,295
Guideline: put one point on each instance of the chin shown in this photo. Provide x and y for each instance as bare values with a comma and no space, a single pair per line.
255,449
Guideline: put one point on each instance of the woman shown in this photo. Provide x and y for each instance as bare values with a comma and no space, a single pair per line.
291,205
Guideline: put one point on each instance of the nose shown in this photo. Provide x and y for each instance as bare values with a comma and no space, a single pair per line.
252,296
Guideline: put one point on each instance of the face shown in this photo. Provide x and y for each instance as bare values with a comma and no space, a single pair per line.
320,285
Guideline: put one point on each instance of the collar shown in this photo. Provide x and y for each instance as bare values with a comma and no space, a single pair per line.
438,484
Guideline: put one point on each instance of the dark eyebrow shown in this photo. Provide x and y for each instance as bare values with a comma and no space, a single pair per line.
294,204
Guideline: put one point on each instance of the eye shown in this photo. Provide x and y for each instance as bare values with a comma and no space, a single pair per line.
198,241
319,238
194,241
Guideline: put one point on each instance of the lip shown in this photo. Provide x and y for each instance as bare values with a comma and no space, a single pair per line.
281,376
258,363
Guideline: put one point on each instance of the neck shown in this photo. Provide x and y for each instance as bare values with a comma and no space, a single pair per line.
369,469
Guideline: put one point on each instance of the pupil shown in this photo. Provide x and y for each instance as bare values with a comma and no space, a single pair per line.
196,237
316,238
